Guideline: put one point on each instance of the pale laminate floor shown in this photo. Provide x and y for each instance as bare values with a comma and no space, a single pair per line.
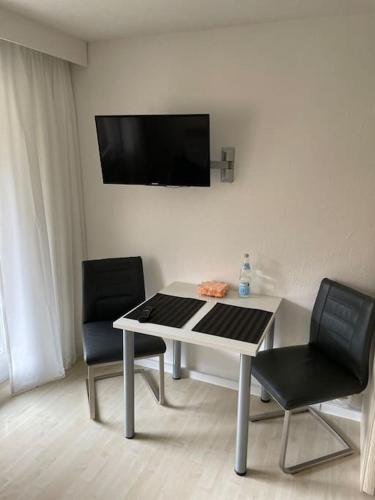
50,450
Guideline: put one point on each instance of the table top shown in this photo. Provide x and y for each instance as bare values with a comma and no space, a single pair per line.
185,334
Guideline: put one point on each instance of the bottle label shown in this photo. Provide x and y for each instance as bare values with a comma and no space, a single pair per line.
244,289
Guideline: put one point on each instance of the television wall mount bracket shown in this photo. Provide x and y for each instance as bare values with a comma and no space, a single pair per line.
226,165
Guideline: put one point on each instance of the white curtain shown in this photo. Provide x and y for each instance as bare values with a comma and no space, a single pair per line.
368,434
41,242
4,371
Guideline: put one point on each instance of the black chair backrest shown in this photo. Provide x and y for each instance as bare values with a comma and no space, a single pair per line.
342,326
111,287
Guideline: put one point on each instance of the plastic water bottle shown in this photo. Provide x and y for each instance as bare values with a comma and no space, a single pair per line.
244,286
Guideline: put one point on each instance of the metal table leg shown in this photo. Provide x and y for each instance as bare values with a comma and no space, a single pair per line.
265,397
176,359
128,343
243,402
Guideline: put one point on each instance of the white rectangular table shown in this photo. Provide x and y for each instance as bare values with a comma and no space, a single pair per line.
185,334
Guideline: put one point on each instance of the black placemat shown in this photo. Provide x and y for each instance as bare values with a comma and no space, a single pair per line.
169,310
234,322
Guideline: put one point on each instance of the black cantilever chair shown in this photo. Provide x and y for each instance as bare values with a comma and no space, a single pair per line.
111,287
334,364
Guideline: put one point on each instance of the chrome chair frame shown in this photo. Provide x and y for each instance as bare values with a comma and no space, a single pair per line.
157,391
293,469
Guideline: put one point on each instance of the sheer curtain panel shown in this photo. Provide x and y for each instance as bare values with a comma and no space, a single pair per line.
368,435
41,242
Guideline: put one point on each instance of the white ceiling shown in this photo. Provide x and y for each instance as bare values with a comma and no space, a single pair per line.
101,19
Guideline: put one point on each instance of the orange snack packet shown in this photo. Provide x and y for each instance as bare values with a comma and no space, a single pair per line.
213,288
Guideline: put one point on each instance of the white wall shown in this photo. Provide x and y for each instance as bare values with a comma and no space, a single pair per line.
297,101
38,36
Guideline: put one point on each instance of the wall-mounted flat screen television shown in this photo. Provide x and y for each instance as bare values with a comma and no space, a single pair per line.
157,150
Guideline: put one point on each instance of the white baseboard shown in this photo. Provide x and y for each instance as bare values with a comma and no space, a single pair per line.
329,408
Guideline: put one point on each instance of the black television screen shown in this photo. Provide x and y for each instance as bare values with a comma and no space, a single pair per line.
165,150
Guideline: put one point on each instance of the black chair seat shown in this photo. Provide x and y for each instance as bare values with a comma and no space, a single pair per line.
298,376
103,344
